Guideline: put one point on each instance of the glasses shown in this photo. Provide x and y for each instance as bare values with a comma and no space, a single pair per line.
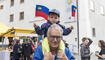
57,37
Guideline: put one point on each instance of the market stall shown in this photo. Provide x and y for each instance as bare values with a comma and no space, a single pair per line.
15,32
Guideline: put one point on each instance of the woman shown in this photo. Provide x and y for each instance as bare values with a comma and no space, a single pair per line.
101,54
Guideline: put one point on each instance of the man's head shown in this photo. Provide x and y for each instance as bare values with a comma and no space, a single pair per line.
85,40
54,16
17,41
54,36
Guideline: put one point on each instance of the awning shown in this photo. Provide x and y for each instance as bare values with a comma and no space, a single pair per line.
18,32
3,28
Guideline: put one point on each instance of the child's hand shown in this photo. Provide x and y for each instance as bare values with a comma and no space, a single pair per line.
48,56
71,27
35,25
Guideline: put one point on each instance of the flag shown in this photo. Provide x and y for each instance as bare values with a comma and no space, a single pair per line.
42,11
73,10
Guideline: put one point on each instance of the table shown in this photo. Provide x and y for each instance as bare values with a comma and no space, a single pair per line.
4,55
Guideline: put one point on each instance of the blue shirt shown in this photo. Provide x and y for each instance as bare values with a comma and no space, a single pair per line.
38,54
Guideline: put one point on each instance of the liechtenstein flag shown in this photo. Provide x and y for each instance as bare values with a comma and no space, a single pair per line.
42,11
73,10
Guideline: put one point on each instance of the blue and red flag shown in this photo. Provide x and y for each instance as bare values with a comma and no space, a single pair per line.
73,10
42,11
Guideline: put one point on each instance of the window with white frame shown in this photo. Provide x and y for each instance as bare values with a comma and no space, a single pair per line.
12,3
93,32
21,15
11,17
92,5
21,1
1,7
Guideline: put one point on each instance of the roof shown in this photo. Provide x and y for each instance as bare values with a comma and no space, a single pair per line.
3,28
6,31
11,32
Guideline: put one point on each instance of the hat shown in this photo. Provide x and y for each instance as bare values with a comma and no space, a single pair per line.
54,11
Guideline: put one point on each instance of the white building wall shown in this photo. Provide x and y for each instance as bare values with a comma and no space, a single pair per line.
97,21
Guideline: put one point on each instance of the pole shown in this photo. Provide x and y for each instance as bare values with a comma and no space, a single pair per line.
77,26
2,41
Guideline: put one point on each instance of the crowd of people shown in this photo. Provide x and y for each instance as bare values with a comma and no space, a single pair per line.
23,51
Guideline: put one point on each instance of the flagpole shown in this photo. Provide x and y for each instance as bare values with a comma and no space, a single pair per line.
77,26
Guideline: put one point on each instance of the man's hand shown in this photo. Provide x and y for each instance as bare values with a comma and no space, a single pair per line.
35,25
61,55
71,27
48,56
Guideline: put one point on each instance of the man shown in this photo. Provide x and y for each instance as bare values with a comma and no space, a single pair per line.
85,49
52,47
27,50
17,49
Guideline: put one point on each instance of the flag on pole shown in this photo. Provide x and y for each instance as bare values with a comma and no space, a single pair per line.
73,10
42,11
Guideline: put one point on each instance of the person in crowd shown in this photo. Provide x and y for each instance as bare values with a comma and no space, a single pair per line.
54,17
27,50
17,50
85,48
101,54
33,45
53,47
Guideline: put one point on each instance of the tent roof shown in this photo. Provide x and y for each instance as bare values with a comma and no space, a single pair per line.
11,32
3,28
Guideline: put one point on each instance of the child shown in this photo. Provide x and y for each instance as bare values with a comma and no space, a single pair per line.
54,16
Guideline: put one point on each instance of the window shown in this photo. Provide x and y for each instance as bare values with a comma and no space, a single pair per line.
12,3
1,7
102,12
21,1
93,32
21,15
11,17
92,5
